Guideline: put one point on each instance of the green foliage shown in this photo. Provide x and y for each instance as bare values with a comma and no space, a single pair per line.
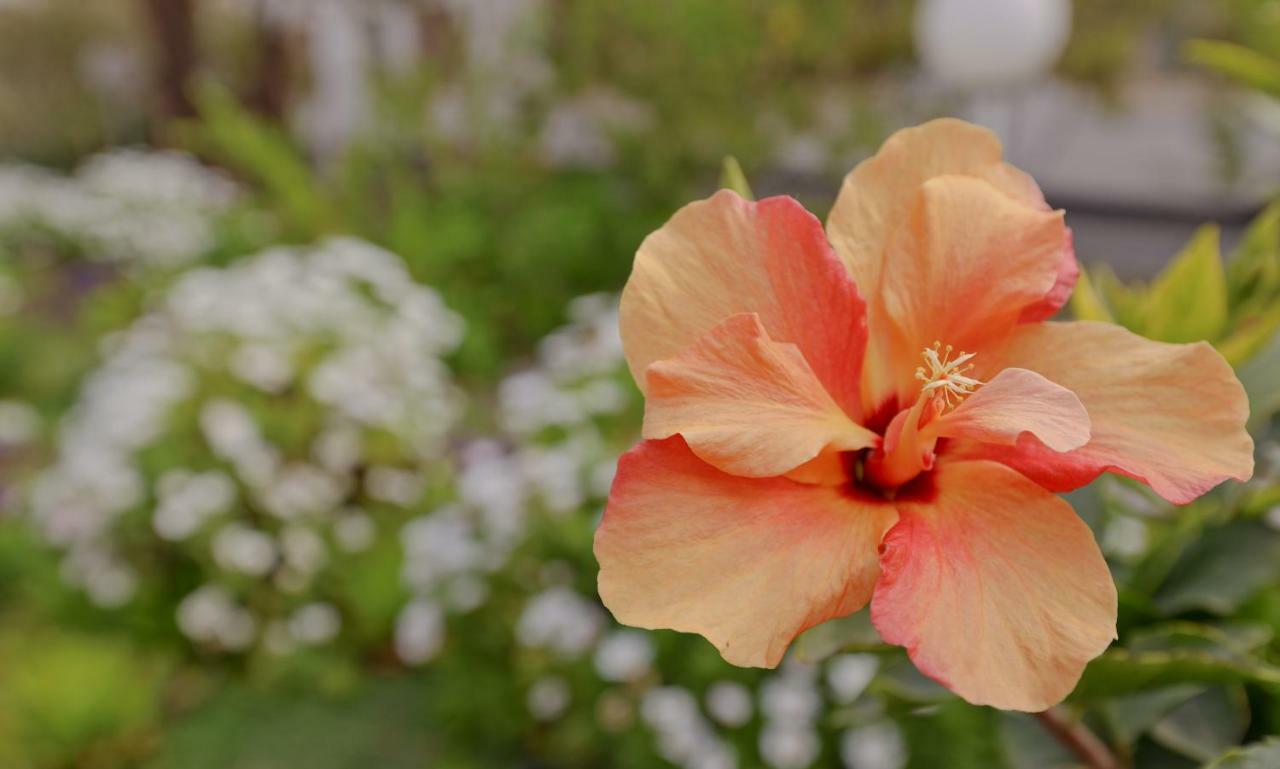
954,735
1262,755
278,728
732,178
1222,569
267,157
1235,307
509,239
69,696
1240,63
1188,301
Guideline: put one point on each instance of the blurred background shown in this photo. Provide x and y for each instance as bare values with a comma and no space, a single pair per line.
311,390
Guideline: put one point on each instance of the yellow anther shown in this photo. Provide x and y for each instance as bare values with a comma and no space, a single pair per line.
945,376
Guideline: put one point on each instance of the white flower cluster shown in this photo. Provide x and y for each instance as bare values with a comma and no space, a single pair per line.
789,702
135,207
256,421
577,374
450,551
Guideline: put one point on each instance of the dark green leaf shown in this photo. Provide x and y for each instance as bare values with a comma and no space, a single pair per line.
1121,671
1028,746
954,734
1259,377
1207,724
1132,715
1223,569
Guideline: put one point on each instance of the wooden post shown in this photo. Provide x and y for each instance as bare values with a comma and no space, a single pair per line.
173,29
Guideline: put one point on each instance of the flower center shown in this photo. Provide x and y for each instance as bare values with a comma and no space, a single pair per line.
944,375
909,442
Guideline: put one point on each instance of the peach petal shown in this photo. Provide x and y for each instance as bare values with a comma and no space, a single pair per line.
877,198
965,264
723,256
747,563
1068,274
876,195
1016,402
747,404
1170,415
995,587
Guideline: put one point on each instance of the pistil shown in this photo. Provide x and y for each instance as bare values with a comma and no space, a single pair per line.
908,450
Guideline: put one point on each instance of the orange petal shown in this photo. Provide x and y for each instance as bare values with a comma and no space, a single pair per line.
747,563
745,403
878,196
723,256
966,262
995,586
1068,274
1015,402
1170,415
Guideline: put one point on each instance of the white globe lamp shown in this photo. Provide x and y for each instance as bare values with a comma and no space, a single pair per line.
984,44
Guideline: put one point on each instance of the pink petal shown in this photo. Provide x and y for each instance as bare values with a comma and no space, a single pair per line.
1017,402
995,587
1170,415
747,563
877,200
746,404
723,256
964,265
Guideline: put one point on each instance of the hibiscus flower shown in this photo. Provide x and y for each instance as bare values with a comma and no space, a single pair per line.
882,414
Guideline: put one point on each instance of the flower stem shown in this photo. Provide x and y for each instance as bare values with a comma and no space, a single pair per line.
1077,738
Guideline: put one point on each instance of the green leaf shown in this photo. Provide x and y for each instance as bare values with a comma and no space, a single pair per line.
1260,755
260,727
1132,715
1253,271
1232,639
263,153
1259,377
64,694
1027,745
1237,62
733,178
1207,724
1188,300
1222,570
1087,303
1121,671
1127,305
1250,337
954,734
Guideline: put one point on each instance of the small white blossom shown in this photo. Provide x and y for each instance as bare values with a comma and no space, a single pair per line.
560,620
849,674
789,746
314,624
729,703
624,655
419,632
875,746
548,698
